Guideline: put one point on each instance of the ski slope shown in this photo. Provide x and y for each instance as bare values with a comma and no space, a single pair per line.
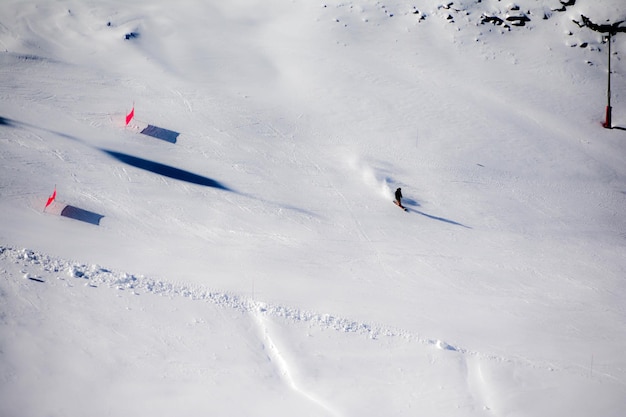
257,266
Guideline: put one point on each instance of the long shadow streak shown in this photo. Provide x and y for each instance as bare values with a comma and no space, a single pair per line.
166,170
441,219
154,167
5,121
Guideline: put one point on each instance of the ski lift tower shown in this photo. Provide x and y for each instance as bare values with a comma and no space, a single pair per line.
610,30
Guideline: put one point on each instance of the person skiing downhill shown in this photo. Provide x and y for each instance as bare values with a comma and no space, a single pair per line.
399,197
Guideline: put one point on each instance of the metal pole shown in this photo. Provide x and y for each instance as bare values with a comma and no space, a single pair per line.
607,122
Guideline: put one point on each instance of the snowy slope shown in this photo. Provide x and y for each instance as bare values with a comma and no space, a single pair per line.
260,258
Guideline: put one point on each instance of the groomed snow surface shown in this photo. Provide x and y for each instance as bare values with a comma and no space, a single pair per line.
254,265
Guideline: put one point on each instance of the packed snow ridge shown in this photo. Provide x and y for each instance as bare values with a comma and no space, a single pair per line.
96,276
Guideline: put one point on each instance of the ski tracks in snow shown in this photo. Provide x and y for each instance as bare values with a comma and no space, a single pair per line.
283,367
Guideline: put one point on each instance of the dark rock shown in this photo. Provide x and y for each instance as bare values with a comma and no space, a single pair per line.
518,20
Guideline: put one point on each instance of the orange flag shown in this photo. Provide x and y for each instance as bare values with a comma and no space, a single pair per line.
130,115
51,198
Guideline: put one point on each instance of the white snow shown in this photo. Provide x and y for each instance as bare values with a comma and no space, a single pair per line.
257,267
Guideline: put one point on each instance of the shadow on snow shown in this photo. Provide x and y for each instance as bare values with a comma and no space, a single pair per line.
147,165
410,202
441,219
165,170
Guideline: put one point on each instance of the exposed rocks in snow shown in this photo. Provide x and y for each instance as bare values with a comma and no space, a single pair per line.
518,20
494,20
509,17
131,35
565,5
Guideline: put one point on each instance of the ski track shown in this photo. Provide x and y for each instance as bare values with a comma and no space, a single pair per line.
282,365
95,276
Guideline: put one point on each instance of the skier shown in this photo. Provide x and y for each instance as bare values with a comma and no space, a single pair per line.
399,197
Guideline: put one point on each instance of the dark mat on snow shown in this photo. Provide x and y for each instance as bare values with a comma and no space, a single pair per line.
160,133
82,215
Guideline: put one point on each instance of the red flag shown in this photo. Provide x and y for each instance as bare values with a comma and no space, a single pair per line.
51,198
130,115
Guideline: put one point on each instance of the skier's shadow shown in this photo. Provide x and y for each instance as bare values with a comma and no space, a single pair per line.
410,204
